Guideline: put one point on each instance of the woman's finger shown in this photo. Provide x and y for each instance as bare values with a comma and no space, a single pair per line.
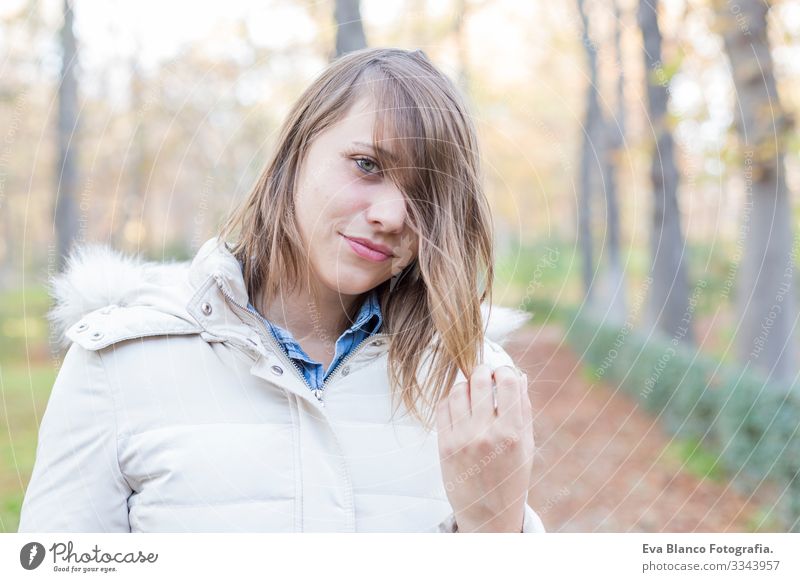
443,421
458,402
481,394
508,393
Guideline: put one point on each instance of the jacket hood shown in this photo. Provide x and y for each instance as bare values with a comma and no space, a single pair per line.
98,276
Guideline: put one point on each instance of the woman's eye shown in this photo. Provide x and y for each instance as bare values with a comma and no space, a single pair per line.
367,165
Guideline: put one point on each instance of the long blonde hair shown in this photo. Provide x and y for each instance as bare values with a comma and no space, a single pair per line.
435,304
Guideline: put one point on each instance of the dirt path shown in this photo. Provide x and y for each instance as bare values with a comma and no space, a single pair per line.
601,464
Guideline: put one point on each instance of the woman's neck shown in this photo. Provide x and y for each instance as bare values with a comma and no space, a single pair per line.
308,314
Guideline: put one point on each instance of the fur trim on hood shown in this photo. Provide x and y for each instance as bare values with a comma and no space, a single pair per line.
97,276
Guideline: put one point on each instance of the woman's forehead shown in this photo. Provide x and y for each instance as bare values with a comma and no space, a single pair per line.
366,125
359,121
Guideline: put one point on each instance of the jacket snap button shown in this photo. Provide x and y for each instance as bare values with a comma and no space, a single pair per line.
97,335
345,370
82,327
206,308
377,343
277,370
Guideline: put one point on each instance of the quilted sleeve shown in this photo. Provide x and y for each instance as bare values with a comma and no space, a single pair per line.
77,485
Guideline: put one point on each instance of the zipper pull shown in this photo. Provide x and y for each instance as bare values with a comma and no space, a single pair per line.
318,395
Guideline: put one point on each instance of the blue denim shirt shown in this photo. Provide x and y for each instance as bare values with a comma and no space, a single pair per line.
367,322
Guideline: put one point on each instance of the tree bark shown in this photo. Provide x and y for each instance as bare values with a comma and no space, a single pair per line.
349,30
614,132
765,290
668,304
588,158
66,221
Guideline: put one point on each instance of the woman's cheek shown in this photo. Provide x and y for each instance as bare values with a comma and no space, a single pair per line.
353,203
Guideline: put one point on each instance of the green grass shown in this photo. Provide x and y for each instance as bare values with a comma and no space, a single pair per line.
27,374
589,374
24,394
10,506
695,460
763,521
23,327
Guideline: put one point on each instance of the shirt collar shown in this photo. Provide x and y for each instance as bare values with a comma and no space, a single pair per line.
369,317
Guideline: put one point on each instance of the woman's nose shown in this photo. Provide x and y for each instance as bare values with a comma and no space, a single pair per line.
388,211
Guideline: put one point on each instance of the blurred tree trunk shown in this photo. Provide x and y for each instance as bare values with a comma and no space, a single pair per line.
349,30
66,219
668,305
614,139
603,139
590,131
765,290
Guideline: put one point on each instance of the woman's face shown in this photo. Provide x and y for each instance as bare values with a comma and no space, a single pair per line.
353,219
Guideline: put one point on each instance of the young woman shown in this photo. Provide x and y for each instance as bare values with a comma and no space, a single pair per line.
330,369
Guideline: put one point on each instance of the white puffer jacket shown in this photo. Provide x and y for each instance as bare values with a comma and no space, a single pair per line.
176,411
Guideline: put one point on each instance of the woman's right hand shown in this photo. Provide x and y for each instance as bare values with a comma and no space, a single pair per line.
486,454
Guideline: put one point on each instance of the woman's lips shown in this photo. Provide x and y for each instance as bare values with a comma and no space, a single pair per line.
365,252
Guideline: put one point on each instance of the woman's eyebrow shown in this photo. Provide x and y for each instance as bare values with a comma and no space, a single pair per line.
382,151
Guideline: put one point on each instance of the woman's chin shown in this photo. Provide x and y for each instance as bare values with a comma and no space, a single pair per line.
354,283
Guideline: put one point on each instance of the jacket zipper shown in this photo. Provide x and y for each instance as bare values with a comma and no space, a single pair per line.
317,392
353,352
